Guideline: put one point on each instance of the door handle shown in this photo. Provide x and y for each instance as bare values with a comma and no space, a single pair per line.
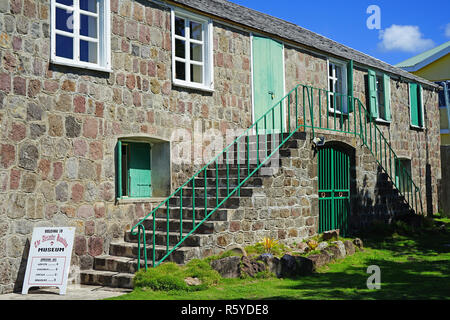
272,94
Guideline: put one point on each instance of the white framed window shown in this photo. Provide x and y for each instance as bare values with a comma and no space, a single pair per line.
337,86
80,33
192,51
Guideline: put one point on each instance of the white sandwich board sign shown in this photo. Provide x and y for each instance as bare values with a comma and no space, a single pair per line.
49,258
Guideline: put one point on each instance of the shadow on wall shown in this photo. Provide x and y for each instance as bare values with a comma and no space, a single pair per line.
382,202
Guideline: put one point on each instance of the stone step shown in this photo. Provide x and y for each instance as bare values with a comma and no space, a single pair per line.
130,250
107,278
211,191
194,240
174,225
174,213
243,172
211,202
252,182
116,264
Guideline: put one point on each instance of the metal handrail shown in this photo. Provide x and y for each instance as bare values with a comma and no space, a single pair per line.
308,94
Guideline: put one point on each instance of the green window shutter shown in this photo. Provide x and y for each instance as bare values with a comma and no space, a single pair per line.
413,104
350,85
373,99
387,97
119,169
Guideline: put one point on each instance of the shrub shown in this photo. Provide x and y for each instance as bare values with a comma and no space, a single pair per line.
165,277
169,276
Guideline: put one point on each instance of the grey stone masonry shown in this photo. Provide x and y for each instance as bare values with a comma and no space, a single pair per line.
59,128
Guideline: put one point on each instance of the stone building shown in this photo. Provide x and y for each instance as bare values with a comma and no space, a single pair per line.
107,107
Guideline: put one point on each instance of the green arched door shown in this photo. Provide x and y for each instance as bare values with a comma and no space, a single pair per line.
334,189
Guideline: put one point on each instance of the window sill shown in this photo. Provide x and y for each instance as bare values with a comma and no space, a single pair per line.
126,200
189,85
338,112
80,66
382,121
417,127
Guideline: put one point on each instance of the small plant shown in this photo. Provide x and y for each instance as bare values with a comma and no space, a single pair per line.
269,244
312,244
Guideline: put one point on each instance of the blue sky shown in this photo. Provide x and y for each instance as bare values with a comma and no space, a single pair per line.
407,27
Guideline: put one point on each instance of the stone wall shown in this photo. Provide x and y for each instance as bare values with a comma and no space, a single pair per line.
60,125
422,147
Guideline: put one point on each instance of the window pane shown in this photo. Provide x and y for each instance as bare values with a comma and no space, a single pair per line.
180,70
339,73
441,98
330,70
88,26
196,30
196,73
180,48
88,5
64,20
64,46
180,27
331,85
88,51
196,52
66,2
338,85
331,100
444,118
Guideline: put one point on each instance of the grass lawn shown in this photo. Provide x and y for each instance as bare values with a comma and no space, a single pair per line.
412,267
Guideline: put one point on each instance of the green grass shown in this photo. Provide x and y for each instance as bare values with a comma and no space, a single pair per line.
413,266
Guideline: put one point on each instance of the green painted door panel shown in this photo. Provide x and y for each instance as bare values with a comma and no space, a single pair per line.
334,190
139,171
414,103
268,81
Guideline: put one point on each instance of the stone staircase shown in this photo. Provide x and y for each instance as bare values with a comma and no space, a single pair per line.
117,269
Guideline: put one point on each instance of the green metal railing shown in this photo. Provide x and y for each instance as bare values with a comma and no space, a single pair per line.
304,107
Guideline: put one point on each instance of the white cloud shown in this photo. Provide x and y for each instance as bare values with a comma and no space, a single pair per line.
447,30
404,38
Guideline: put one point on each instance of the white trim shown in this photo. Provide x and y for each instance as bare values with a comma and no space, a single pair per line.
207,55
343,66
103,40
382,121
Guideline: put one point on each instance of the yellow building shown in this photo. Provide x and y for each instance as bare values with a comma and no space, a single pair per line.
434,65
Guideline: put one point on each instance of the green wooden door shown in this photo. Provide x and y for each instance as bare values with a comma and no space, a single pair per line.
139,170
334,190
268,82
